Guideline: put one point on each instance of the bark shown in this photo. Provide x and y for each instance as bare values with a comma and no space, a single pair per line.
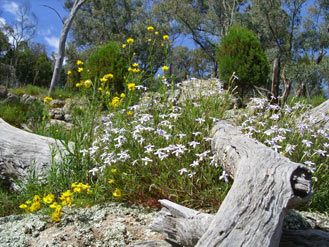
275,80
182,226
287,87
266,185
61,48
21,151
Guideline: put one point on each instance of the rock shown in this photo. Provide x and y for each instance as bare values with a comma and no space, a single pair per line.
3,92
56,103
12,98
56,113
28,99
60,123
21,151
68,118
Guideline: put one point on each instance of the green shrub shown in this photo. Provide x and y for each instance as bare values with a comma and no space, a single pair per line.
107,59
242,53
33,90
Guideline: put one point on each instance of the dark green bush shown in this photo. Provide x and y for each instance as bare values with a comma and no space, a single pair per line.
107,59
242,53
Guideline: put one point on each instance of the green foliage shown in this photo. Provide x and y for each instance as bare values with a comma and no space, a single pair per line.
242,53
107,59
33,90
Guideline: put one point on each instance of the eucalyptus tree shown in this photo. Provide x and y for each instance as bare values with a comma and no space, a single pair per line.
204,21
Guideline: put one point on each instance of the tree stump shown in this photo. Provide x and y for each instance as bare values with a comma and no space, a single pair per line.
266,185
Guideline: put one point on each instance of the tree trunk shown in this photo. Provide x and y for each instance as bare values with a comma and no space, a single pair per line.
287,87
61,48
182,226
266,185
275,81
301,91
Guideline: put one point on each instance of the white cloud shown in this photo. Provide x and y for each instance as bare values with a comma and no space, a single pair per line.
52,41
11,7
2,21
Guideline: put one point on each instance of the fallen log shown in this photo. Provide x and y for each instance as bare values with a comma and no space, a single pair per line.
182,226
266,185
21,151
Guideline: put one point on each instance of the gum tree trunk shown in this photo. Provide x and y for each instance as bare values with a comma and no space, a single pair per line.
61,48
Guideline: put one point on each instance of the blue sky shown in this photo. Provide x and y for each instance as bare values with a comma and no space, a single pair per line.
49,24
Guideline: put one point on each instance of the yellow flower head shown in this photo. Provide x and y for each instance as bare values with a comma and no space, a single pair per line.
117,193
150,28
135,64
103,80
124,46
131,86
164,68
156,33
28,202
47,99
79,62
78,84
56,217
54,205
108,76
108,93
80,69
48,199
165,37
36,198
113,170
88,83
100,89
111,181
129,113
35,206
149,40
130,41
122,95
23,206
69,72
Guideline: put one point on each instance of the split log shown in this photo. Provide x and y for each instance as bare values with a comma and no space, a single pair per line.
266,185
21,151
182,226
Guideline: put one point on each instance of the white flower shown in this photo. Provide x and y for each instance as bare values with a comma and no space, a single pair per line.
191,174
196,133
321,152
93,171
195,163
290,148
181,135
307,143
146,160
200,120
193,144
182,171
224,176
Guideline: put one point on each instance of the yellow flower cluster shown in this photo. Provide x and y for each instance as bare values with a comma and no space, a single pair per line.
164,68
130,41
35,206
80,187
117,193
150,28
88,83
106,77
66,198
47,100
135,70
131,86
116,101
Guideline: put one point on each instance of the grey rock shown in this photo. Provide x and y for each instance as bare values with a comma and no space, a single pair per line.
56,113
68,118
28,99
56,103
12,98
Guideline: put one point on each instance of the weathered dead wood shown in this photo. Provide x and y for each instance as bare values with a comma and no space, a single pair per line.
266,184
21,150
183,226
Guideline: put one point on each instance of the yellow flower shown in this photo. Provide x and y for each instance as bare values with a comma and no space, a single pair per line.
54,205
108,93
131,86
89,191
88,83
65,194
149,40
162,44
57,131
150,28
156,33
79,62
69,72
113,170
47,99
100,89
108,76
124,46
49,198
130,41
130,69
117,193
165,37
23,206
122,95
36,198
43,118
129,113
56,217
135,65
80,69
35,206
78,84
164,68
103,79
28,202
115,102
111,181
